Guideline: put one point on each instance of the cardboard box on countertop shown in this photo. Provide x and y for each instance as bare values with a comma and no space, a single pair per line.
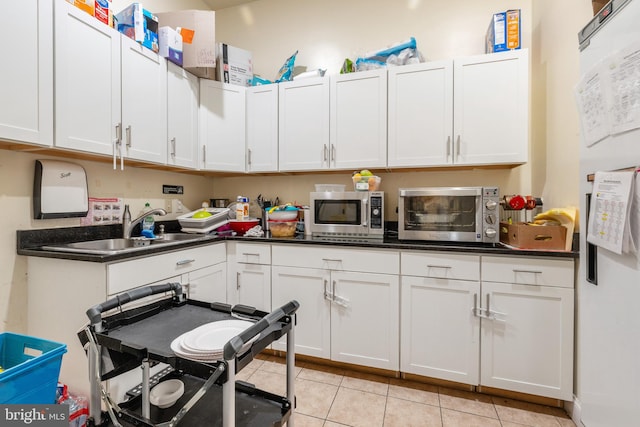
526,236
199,56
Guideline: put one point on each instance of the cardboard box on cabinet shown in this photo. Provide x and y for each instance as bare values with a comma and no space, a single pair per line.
170,42
138,24
199,52
235,65
526,236
504,32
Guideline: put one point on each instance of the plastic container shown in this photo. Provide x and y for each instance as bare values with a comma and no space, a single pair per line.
242,208
148,223
31,369
366,183
283,228
166,393
284,214
330,187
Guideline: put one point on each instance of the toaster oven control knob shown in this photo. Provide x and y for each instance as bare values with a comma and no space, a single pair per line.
491,204
490,233
376,212
490,219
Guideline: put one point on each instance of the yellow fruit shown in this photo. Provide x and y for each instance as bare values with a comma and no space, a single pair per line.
365,172
356,177
201,214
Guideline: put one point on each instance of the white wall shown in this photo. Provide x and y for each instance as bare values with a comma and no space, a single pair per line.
134,185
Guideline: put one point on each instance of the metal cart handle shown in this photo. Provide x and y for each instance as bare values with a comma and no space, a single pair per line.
95,313
235,344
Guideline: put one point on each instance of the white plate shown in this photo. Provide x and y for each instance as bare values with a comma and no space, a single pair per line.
213,336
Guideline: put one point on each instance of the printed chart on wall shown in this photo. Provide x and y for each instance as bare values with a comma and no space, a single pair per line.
608,96
103,211
615,211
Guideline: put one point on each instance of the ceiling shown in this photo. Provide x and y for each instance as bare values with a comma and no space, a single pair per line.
222,4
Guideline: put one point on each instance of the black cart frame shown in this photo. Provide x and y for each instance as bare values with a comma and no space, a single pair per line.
141,337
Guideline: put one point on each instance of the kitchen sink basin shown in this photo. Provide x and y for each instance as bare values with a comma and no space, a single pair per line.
121,245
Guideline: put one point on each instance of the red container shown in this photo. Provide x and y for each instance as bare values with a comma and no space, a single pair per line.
242,227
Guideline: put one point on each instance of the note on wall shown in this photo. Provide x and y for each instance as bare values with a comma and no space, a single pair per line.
103,211
609,214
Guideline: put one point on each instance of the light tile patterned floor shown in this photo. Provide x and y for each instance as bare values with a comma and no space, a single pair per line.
332,397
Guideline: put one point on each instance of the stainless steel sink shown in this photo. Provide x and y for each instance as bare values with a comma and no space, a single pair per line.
121,245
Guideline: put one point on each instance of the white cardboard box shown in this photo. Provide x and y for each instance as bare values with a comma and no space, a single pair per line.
235,65
170,42
199,56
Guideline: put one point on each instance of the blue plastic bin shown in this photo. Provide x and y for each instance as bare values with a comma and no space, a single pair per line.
31,369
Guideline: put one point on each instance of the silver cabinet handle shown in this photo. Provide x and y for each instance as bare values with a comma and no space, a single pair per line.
438,266
333,292
185,261
204,155
324,153
250,253
527,271
327,294
448,146
116,145
337,299
458,147
441,276
331,260
173,146
238,280
333,153
128,132
249,156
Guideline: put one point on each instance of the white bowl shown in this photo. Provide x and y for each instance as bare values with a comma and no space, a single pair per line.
166,393
284,215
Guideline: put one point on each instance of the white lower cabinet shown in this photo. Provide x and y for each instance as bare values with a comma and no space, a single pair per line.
510,327
250,282
60,291
207,284
346,316
440,335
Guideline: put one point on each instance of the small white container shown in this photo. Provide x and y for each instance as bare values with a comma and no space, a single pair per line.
166,393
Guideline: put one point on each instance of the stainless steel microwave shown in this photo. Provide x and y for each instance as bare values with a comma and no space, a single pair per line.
347,215
456,214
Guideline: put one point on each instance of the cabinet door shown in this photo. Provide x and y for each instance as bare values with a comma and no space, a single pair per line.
26,83
87,82
310,287
528,348
144,102
182,116
222,126
491,108
304,125
365,319
358,120
253,284
421,114
440,335
208,284
262,128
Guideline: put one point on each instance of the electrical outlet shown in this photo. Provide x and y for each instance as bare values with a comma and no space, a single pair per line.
168,205
177,205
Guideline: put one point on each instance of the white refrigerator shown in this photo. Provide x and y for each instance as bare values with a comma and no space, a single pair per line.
608,285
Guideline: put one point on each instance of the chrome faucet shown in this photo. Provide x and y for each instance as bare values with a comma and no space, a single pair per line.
128,224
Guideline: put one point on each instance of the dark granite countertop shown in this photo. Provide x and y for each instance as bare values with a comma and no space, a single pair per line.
30,242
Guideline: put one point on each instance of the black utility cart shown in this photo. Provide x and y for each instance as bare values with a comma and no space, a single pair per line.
141,336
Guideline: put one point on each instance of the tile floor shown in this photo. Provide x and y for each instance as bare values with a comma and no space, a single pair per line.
333,397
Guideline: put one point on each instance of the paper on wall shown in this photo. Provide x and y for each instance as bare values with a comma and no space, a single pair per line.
624,80
103,211
590,96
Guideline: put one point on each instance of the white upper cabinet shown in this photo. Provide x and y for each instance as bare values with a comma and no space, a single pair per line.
87,82
26,82
144,102
469,111
304,124
420,114
358,120
262,128
491,108
222,126
182,117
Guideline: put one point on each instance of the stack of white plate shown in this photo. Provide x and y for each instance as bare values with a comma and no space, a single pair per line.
206,343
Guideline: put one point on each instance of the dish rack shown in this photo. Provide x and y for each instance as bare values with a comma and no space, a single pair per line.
219,217
141,337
